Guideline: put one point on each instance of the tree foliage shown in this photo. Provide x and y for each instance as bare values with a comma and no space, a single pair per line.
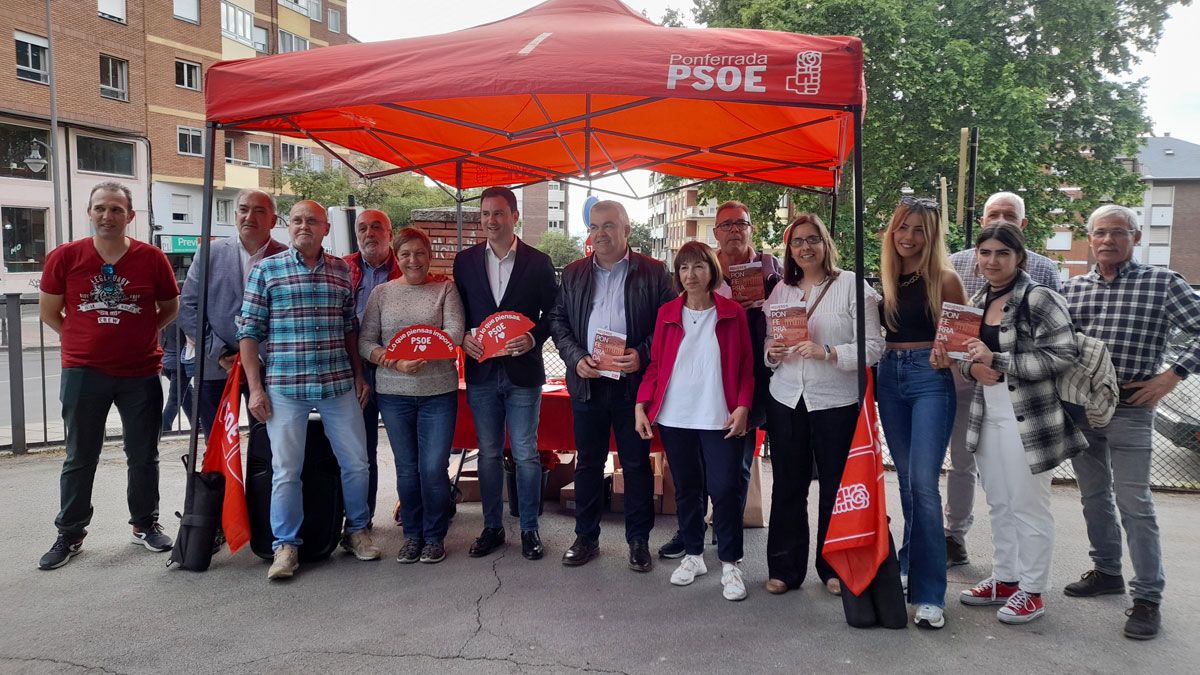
562,248
396,195
641,237
1042,79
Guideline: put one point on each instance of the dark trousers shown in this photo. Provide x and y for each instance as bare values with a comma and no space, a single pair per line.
609,411
87,395
700,458
799,438
371,421
210,399
178,379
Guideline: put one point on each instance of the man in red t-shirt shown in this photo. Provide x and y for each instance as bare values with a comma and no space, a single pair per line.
108,296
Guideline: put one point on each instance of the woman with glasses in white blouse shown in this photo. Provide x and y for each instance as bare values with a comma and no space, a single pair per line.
814,403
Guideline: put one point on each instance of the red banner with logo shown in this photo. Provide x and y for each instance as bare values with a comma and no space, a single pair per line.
857,540
498,329
224,455
421,342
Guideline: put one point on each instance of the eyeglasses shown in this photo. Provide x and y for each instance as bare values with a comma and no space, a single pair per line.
921,203
727,225
1120,233
812,240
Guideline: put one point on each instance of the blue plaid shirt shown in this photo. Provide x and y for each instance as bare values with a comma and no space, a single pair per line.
307,314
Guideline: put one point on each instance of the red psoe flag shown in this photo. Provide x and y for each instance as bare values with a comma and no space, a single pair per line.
857,540
224,455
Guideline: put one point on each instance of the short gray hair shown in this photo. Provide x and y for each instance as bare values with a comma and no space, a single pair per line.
242,194
612,205
1124,213
1010,197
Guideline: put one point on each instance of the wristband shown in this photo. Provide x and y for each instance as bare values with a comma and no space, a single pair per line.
827,352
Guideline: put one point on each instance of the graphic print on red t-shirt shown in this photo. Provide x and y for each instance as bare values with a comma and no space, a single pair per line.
111,319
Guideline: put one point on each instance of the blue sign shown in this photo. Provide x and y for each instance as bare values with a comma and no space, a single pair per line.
587,210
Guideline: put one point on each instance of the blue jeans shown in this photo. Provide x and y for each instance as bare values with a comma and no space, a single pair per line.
1117,464
495,404
916,408
288,428
421,429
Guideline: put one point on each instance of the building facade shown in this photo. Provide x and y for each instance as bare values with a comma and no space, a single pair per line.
129,79
543,208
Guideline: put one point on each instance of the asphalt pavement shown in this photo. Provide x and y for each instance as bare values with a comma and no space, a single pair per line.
116,608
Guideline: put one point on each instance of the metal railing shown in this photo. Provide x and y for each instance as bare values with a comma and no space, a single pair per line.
31,417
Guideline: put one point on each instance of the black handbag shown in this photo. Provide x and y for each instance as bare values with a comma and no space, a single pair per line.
199,522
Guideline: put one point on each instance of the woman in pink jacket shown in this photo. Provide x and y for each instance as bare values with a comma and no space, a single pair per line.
698,389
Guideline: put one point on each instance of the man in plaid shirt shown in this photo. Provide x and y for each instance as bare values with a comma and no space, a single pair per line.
1132,308
302,300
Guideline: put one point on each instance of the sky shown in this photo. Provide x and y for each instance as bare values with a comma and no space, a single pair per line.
1172,90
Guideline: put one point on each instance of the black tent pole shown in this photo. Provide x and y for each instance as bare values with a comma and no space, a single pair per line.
210,141
860,272
969,209
832,211
458,200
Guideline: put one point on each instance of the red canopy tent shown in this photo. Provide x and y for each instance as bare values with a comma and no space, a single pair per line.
570,89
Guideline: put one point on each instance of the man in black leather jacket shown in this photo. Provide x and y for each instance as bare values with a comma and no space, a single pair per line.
616,290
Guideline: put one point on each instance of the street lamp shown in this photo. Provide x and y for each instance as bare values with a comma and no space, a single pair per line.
35,161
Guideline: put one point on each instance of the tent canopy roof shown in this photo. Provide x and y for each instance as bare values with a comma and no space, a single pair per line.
569,88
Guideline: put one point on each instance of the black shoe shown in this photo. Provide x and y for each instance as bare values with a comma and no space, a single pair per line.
956,553
489,540
639,556
60,553
531,545
581,552
1144,620
153,538
1095,582
672,549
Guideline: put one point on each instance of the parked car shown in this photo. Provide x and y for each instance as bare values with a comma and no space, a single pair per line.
1177,416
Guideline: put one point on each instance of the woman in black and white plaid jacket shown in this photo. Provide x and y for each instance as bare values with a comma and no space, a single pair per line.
1018,429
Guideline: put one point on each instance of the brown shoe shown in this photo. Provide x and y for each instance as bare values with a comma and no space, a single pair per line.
285,564
776,587
834,586
360,544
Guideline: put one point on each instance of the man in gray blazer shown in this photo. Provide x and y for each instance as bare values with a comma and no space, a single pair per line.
232,259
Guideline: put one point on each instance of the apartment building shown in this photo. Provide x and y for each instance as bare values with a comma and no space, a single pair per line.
129,79
543,208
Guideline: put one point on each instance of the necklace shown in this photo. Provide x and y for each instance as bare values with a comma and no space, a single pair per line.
915,276
695,314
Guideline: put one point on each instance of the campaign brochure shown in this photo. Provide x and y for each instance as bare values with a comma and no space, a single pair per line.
607,346
746,282
788,322
957,324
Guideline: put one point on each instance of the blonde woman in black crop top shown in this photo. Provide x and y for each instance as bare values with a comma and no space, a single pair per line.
915,393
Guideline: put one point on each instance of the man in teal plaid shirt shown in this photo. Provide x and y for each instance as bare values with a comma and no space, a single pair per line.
302,300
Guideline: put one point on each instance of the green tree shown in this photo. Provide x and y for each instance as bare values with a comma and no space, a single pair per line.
1042,79
562,248
396,195
640,237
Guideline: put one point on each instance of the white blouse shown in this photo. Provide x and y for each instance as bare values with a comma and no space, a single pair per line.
695,396
827,384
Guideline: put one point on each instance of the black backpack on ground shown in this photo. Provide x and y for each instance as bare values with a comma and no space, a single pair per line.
324,511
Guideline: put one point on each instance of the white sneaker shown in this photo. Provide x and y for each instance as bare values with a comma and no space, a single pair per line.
731,580
929,616
689,568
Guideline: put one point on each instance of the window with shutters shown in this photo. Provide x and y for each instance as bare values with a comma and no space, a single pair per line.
111,9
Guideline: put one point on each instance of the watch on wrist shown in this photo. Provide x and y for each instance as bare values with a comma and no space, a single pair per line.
827,352
1180,371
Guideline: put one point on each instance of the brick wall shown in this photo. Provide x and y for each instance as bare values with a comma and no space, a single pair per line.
80,36
1185,231
442,227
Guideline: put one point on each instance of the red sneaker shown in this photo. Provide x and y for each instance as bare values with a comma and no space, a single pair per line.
1022,607
988,592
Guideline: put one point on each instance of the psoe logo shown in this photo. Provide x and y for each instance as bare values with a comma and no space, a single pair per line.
807,80
852,498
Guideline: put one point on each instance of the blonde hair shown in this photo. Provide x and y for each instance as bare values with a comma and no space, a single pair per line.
934,259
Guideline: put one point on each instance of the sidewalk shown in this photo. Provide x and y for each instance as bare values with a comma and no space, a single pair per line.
116,608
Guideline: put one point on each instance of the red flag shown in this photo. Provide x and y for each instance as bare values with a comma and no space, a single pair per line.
857,540
224,455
